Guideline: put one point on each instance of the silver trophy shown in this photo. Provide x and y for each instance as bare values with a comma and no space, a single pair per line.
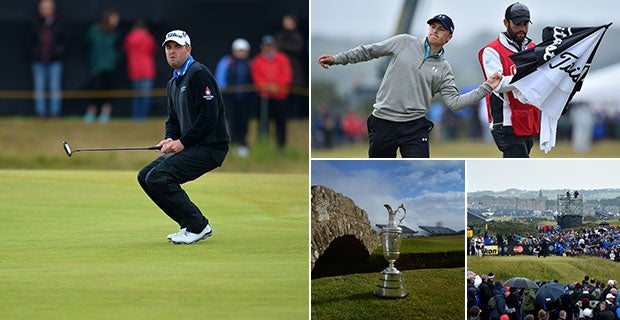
391,280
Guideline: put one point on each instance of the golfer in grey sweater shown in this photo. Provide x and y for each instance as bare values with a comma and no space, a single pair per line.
415,74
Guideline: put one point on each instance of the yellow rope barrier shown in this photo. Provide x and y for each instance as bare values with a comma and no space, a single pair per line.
158,92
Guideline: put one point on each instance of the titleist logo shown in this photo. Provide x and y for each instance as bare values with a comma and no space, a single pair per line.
559,33
567,64
174,34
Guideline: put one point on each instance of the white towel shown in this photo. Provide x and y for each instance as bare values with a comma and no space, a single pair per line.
548,131
549,97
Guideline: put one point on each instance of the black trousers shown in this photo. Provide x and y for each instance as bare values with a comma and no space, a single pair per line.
386,137
509,144
278,111
102,81
162,178
238,113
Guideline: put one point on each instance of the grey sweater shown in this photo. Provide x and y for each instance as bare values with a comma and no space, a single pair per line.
410,81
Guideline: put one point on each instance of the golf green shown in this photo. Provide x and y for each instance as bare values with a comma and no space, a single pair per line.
91,245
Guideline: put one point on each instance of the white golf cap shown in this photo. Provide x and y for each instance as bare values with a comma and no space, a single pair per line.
178,36
240,44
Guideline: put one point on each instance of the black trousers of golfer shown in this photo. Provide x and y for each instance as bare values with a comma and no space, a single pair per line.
387,137
162,179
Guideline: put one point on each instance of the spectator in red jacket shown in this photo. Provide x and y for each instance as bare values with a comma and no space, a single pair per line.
272,74
139,46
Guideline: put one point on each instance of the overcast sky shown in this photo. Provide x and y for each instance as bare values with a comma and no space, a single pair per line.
377,19
528,174
431,190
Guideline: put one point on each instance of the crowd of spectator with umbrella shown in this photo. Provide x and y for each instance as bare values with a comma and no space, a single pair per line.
520,298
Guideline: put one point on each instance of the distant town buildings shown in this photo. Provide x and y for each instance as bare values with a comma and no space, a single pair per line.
538,206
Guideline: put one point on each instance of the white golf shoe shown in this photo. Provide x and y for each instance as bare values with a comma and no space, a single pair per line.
187,237
174,234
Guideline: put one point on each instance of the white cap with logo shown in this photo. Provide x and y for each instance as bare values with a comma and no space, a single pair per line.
178,36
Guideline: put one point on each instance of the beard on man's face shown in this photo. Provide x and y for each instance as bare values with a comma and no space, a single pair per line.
517,36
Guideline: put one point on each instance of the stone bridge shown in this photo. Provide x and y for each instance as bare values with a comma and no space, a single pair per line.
340,229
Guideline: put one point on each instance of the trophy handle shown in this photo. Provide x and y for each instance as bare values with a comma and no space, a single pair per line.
389,209
402,206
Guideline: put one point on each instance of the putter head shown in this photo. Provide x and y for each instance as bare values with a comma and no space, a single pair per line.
65,146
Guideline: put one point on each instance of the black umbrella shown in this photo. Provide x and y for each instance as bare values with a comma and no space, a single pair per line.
520,282
549,293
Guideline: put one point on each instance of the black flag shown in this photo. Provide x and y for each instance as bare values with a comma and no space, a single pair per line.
549,74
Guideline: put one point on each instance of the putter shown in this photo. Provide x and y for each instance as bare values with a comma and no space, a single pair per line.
70,152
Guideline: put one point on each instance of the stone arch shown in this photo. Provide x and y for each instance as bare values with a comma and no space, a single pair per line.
340,229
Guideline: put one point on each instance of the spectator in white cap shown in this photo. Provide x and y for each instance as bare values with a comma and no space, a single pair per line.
610,286
234,77
610,300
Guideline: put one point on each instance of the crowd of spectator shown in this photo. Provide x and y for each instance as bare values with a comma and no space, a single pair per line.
599,241
470,123
590,298
262,84
269,75
333,127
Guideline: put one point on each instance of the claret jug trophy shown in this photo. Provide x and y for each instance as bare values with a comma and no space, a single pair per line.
391,281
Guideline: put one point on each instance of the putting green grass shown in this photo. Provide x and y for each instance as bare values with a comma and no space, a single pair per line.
433,294
91,245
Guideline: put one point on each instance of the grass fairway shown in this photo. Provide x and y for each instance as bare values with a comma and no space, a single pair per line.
433,294
91,245
474,149
39,145
563,269
431,244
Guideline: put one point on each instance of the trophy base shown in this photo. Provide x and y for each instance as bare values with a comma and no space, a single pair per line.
391,286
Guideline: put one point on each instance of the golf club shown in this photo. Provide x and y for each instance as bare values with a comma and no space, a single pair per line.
70,152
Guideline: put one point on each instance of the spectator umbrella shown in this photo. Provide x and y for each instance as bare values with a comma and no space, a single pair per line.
549,293
520,282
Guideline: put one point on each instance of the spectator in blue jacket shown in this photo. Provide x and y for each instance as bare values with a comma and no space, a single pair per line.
233,75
